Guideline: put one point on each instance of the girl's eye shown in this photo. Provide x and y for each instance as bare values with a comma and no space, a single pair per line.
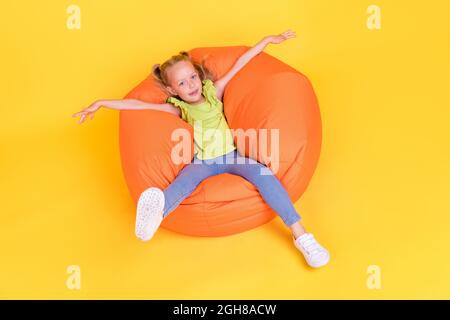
181,83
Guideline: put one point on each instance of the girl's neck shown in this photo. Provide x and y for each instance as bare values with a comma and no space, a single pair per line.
202,99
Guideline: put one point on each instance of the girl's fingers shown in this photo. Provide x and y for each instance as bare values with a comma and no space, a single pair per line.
289,34
79,113
286,35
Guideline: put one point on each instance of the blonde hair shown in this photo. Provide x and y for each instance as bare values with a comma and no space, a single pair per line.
160,75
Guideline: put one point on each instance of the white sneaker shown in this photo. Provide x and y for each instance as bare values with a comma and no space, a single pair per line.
316,255
149,213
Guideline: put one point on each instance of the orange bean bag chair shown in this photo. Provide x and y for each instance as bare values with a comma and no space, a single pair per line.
266,93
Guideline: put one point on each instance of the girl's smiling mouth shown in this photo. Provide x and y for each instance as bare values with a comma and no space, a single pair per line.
193,93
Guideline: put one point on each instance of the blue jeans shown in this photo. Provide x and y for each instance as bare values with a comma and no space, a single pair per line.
268,185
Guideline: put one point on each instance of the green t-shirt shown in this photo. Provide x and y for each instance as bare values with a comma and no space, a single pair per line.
212,135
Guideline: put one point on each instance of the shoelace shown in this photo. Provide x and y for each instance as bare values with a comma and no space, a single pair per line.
311,246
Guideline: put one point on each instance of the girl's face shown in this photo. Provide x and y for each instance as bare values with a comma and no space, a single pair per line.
184,81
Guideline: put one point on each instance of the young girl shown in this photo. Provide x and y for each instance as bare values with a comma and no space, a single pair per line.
196,98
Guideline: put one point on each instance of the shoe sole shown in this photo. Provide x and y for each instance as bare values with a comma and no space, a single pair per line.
149,213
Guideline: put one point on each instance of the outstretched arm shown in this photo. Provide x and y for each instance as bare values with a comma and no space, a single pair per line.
124,104
247,56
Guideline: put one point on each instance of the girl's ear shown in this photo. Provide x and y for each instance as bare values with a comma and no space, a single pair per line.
170,90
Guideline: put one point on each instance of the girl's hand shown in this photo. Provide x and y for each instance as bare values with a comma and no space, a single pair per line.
89,111
282,37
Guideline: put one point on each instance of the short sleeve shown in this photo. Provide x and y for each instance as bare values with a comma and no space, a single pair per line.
179,104
210,91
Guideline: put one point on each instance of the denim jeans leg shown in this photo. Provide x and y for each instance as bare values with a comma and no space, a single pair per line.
268,185
185,183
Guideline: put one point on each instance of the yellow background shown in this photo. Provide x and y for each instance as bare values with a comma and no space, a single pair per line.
380,194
